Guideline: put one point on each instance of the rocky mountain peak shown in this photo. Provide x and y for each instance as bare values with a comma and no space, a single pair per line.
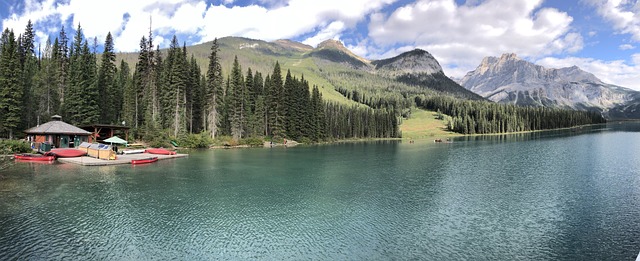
327,49
509,56
411,62
331,43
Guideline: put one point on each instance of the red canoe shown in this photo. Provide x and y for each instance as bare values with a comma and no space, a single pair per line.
161,151
33,157
143,161
67,153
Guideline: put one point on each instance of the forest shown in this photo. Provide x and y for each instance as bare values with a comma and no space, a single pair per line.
164,98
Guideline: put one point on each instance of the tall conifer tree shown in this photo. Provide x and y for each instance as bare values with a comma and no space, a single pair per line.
10,87
107,90
214,91
236,86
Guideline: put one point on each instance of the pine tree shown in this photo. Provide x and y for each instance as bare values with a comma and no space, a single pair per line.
61,56
290,125
139,81
250,104
276,103
90,109
175,80
267,105
224,126
318,119
214,91
124,84
29,65
195,99
73,97
236,85
10,88
107,91
46,92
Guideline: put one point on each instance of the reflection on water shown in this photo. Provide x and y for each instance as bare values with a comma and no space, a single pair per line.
547,195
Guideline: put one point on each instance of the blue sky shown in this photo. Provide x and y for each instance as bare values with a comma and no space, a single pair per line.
600,36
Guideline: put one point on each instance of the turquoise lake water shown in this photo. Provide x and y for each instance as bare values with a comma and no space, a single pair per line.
564,195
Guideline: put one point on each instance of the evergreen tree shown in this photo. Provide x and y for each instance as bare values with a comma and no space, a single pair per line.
288,109
267,105
318,120
61,56
276,103
175,80
90,109
46,92
130,96
224,126
124,84
29,66
236,86
10,87
73,97
107,90
214,91
195,98
144,89
250,104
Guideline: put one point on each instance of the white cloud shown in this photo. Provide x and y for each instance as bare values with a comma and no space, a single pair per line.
626,47
618,72
332,31
459,36
128,20
328,19
622,14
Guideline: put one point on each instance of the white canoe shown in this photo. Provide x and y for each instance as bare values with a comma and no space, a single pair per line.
133,151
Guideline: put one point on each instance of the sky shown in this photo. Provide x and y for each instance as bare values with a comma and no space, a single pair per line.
599,36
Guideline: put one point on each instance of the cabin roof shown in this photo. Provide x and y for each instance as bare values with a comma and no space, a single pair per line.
57,127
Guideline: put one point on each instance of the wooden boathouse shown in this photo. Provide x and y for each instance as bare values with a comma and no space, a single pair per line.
57,134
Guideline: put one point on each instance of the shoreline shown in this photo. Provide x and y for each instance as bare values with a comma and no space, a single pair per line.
443,137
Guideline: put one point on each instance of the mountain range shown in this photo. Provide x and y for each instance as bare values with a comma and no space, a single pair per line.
505,79
509,79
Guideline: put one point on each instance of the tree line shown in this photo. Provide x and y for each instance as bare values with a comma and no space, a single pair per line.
167,94
483,117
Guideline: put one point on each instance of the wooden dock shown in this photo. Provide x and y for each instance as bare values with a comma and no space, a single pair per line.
120,159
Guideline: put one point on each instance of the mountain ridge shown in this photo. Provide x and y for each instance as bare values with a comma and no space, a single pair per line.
509,79
329,55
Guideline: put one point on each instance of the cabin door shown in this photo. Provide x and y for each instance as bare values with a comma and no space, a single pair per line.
64,141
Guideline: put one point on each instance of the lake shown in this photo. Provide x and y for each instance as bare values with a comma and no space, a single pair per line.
560,195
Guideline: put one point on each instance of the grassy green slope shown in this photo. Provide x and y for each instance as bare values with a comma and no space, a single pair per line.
424,125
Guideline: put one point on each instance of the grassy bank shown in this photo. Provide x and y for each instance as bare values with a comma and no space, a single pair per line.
424,125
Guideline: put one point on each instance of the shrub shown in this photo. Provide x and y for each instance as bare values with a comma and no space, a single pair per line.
306,140
14,146
223,141
194,141
158,139
253,142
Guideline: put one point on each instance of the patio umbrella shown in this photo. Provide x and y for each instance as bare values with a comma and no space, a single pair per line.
115,140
